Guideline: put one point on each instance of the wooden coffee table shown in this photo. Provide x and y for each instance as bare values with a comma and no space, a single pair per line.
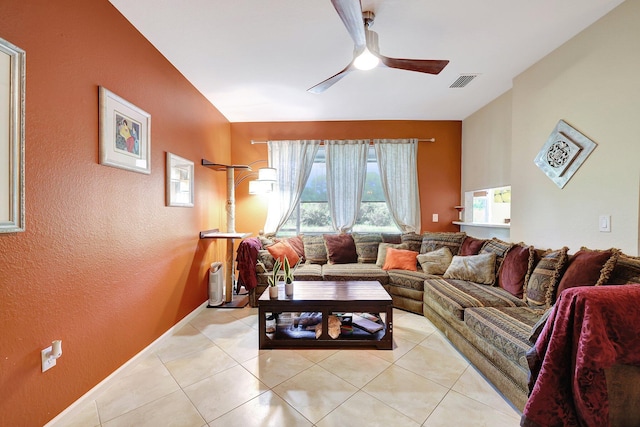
327,297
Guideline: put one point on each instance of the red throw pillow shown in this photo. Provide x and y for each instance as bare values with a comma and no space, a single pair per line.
282,250
341,249
401,259
296,243
514,269
584,269
471,246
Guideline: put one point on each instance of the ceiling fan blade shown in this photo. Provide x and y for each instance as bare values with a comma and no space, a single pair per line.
326,84
430,66
350,11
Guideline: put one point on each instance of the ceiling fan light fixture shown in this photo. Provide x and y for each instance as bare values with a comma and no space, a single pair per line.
366,60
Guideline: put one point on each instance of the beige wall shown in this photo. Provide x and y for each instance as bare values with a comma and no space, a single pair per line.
486,146
591,83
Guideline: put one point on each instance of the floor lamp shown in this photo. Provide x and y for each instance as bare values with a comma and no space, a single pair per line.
265,183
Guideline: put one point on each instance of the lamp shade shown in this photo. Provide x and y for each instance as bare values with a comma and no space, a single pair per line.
267,174
260,187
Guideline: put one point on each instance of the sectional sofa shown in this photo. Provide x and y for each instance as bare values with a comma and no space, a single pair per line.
488,296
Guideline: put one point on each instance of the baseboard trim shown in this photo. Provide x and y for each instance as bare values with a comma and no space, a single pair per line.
90,395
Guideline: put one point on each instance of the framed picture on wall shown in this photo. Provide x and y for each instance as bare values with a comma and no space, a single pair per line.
125,134
179,181
12,101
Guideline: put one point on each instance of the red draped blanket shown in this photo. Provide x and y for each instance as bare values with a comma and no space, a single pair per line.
590,329
247,256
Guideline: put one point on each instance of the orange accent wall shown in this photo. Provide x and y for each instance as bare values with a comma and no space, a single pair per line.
104,264
439,170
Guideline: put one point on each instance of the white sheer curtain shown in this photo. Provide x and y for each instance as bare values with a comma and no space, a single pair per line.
293,161
398,164
346,171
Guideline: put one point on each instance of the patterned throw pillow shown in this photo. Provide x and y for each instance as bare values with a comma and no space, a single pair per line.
435,262
627,270
498,247
395,238
265,258
400,259
588,268
432,241
314,249
479,268
367,246
266,240
412,240
539,289
382,251
340,248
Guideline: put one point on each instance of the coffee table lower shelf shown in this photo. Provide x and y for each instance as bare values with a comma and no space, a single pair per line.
290,336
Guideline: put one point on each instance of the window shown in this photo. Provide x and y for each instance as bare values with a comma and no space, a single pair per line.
490,206
312,213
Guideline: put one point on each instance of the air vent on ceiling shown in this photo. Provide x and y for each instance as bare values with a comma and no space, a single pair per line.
463,80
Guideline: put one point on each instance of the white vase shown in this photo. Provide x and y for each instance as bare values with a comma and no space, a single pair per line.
288,289
273,292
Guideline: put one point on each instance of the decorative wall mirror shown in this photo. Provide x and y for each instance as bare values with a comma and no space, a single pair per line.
12,92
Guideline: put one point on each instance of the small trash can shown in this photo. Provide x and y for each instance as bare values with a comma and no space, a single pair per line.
216,284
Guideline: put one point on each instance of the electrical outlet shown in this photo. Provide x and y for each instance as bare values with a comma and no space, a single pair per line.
47,361
435,217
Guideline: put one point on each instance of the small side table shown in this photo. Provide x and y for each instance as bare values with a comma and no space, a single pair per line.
229,266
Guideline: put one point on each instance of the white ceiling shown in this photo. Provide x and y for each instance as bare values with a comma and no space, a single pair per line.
255,59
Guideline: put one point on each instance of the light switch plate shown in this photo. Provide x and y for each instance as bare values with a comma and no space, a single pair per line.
604,224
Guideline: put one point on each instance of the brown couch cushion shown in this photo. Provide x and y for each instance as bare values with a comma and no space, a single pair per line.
454,296
544,279
412,240
432,241
341,249
471,246
587,268
516,269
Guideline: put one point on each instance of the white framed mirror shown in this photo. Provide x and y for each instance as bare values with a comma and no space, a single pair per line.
12,101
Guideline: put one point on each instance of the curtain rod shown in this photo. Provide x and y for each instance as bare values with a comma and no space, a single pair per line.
370,140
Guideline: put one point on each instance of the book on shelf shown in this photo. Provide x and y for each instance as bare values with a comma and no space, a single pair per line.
366,324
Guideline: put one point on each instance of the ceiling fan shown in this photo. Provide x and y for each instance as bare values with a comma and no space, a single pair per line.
366,54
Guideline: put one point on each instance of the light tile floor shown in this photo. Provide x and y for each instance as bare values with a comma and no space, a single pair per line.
211,373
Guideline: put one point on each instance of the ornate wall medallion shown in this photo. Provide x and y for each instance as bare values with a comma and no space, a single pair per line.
562,155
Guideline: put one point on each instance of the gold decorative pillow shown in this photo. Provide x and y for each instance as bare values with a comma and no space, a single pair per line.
545,278
367,246
474,268
626,270
435,262
314,249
